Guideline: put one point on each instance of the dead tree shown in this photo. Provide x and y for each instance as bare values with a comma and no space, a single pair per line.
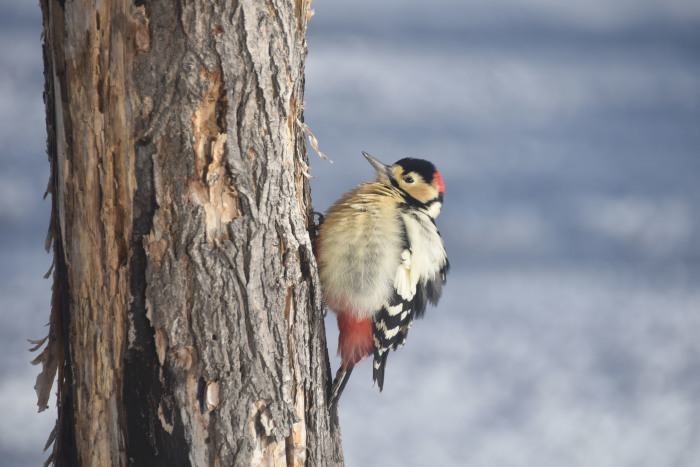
186,325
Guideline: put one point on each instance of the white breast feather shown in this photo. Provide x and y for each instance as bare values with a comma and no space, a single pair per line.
360,256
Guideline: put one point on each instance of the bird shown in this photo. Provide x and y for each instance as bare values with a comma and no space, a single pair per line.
381,259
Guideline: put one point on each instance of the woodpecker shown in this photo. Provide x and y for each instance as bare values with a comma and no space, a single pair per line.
381,259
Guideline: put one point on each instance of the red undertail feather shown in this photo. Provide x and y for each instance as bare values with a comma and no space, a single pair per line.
355,341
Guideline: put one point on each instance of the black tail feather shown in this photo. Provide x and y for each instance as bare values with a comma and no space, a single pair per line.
341,379
379,365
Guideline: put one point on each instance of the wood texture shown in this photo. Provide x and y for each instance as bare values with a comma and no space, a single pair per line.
186,325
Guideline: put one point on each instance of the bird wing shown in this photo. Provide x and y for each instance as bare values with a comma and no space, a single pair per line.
412,291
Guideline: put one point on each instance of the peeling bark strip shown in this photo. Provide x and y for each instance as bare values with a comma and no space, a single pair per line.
90,148
186,324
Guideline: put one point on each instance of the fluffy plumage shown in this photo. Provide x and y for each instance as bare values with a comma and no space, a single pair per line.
381,260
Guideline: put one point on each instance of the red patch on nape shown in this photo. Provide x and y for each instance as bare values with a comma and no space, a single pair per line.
355,340
438,183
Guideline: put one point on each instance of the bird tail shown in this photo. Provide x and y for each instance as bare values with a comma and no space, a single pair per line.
379,365
341,379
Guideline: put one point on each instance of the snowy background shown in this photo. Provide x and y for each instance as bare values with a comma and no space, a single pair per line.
568,135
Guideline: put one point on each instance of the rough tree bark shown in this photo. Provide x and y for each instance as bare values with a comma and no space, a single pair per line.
186,325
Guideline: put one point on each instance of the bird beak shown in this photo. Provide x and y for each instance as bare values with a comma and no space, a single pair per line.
384,171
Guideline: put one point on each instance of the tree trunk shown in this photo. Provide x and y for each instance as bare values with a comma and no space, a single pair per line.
186,325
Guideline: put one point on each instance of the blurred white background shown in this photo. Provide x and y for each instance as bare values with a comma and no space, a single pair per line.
568,137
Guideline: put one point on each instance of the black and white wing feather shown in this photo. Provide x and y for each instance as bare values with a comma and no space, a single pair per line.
419,279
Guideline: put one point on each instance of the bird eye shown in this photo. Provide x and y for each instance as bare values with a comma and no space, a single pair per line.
408,179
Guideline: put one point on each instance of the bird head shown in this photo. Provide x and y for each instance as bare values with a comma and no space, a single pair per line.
417,177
